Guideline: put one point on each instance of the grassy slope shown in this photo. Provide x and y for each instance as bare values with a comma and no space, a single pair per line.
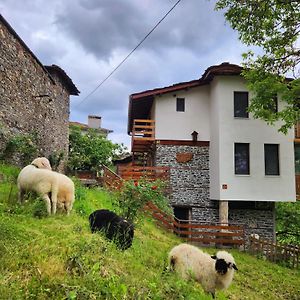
58,258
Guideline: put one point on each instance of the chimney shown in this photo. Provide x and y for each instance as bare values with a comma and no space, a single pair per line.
94,122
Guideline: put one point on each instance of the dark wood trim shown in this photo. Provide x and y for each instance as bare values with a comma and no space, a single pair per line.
183,143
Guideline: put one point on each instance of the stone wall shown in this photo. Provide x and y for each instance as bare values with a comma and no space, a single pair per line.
259,220
189,180
190,188
30,100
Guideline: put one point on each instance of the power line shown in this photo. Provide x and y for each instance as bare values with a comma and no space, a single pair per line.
128,55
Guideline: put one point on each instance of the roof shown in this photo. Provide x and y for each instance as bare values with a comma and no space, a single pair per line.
67,81
140,103
86,127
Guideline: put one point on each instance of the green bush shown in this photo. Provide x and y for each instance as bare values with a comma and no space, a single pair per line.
22,145
135,194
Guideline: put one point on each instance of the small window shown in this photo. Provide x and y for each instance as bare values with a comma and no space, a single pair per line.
241,103
180,104
271,159
241,159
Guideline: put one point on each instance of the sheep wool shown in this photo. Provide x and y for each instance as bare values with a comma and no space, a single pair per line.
114,227
212,272
39,178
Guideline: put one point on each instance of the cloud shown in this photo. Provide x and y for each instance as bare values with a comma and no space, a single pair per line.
89,38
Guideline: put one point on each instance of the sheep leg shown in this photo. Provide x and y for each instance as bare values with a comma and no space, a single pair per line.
21,196
213,295
54,203
48,203
68,207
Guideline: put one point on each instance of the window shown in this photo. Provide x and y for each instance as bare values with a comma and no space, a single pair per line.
241,159
241,103
271,159
180,104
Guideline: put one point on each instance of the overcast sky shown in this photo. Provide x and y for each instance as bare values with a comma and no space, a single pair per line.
88,38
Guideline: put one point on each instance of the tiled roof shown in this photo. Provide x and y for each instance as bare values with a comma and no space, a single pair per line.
65,79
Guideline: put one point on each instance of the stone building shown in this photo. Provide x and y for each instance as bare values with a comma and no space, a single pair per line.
225,166
34,99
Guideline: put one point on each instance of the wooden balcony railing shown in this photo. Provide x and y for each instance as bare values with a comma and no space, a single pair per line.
149,173
143,135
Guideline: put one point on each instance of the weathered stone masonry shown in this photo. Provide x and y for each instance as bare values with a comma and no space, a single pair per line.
190,188
32,98
190,180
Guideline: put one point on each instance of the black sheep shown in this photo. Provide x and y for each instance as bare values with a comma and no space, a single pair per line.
114,227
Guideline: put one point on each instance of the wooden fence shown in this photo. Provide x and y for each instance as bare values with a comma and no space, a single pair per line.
274,252
192,231
111,180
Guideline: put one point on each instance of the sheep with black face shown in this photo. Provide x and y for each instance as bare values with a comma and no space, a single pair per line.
114,227
212,272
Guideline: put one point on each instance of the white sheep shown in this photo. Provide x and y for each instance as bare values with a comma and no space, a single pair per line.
39,178
212,272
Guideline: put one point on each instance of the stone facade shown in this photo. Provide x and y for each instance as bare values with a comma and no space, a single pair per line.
32,99
190,189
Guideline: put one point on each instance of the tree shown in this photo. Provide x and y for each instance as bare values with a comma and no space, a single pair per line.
88,151
273,26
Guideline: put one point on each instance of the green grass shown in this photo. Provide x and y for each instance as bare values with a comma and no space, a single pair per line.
58,258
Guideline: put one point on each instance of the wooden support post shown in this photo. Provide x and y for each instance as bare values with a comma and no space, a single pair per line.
223,212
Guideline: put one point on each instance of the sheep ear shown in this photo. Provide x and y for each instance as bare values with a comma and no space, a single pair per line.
235,267
214,257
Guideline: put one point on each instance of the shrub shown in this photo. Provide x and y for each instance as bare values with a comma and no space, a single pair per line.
24,146
135,194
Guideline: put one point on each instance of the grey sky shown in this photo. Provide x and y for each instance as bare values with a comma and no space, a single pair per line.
88,38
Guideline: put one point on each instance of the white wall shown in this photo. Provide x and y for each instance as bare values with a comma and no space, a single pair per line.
256,186
173,125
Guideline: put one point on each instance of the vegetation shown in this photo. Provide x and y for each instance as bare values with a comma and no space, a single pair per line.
23,145
273,26
89,151
58,258
135,194
288,223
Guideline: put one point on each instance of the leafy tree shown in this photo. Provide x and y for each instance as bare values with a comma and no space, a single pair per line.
88,151
273,26
288,222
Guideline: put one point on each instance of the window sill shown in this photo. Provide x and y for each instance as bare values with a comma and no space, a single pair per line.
242,175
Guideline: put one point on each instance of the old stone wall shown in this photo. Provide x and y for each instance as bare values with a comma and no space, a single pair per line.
260,220
189,179
30,101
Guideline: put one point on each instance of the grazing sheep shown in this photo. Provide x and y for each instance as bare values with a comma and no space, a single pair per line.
41,163
39,178
115,227
212,272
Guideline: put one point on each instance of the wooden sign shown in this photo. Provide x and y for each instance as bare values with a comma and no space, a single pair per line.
184,157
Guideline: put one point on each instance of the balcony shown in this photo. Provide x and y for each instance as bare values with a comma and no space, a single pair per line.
143,135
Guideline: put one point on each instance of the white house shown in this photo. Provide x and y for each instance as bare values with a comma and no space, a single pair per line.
224,164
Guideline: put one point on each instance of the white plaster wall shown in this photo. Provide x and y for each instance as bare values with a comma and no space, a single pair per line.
255,186
214,145
173,125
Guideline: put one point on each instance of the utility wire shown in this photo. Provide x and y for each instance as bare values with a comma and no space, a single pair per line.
128,55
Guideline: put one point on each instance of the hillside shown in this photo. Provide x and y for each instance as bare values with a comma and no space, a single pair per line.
58,258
